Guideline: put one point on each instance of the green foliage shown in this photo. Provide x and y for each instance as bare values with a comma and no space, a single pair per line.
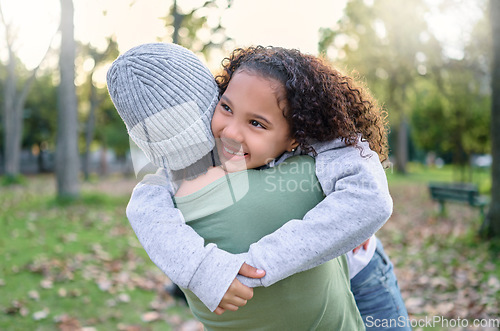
408,70
40,113
3,75
384,41
10,180
429,109
453,115
190,27
382,47
106,126
111,130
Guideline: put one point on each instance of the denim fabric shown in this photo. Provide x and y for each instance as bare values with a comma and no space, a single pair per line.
377,294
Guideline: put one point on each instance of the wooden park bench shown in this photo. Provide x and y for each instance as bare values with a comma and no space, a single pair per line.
458,192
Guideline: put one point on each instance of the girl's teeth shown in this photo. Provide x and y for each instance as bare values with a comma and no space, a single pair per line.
233,152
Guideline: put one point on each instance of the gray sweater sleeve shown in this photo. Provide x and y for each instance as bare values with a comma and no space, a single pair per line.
175,247
357,204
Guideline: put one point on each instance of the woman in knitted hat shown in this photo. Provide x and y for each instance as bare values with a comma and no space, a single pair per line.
230,153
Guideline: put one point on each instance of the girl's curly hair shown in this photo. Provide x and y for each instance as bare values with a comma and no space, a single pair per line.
322,104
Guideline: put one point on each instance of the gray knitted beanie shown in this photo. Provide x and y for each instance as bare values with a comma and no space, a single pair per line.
166,97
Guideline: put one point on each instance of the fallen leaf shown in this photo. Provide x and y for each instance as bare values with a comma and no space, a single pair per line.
104,284
46,283
34,295
69,237
110,303
67,323
62,292
124,297
444,308
191,326
125,327
23,311
493,283
150,316
42,314
75,293
174,319
15,308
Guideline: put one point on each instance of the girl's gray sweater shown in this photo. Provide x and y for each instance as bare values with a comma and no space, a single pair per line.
357,204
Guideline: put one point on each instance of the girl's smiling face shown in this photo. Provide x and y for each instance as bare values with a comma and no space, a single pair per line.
248,124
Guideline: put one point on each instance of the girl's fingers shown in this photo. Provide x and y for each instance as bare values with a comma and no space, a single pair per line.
219,310
233,301
230,307
237,289
249,271
235,297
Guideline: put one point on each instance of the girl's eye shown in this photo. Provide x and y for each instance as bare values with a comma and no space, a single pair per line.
226,107
256,124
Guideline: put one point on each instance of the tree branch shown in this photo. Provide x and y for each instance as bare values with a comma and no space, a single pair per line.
21,99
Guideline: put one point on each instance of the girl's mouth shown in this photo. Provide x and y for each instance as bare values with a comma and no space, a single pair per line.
232,152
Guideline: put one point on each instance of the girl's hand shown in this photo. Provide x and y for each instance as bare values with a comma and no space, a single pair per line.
363,245
251,272
238,294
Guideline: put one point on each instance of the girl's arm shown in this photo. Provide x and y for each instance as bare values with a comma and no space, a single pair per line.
175,247
357,204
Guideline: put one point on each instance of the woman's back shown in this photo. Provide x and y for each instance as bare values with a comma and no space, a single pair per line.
239,209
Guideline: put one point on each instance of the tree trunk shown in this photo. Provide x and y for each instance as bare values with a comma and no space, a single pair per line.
104,160
67,156
12,120
492,221
14,104
402,146
89,130
178,17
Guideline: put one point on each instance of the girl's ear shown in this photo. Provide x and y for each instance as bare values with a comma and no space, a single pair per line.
293,145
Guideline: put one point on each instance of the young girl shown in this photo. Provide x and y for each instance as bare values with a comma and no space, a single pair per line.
325,105
322,105
250,129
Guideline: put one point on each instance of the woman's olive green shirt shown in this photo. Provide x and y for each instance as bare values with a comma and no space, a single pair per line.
239,209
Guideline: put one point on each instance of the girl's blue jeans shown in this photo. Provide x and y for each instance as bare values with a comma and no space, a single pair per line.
377,294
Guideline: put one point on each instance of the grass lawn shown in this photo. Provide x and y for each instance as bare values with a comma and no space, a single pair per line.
79,266
418,173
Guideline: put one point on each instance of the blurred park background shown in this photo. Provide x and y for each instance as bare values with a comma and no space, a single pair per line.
70,258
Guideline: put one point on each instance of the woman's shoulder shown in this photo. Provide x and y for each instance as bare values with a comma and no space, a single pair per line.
299,159
300,165
297,162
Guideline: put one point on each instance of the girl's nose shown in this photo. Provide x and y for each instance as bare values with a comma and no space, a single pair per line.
233,131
